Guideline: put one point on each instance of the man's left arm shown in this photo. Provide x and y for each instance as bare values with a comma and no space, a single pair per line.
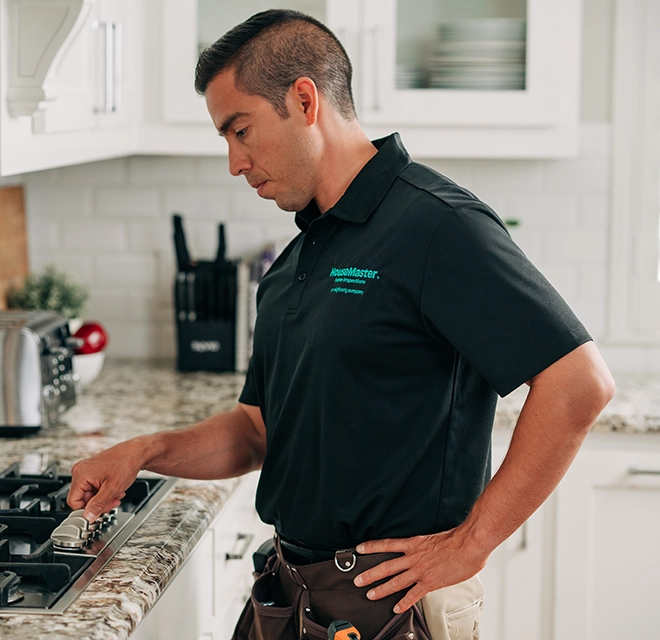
564,401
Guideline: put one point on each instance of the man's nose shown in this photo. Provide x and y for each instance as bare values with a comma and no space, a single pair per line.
238,161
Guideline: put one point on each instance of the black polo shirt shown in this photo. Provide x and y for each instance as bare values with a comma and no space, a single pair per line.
385,331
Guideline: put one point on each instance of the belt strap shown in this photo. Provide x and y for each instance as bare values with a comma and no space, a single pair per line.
344,558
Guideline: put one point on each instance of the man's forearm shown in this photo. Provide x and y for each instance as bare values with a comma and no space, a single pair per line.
225,445
222,446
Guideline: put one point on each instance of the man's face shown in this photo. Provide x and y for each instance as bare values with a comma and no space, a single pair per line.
276,156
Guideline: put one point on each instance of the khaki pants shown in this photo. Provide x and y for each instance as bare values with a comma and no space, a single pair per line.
453,613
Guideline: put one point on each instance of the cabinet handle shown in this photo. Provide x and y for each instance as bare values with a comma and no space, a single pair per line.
113,66
377,33
109,44
643,472
523,537
117,62
241,545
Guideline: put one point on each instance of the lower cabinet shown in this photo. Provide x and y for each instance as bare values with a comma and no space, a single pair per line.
206,597
607,584
516,576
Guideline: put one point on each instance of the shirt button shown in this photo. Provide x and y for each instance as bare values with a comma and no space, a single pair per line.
302,276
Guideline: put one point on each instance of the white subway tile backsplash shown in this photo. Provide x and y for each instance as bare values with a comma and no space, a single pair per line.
529,240
79,266
159,170
105,172
563,278
106,303
126,269
247,206
507,176
42,234
594,211
592,282
202,202
127,201
462,172
97,235
591,314
583,175
137,339
43,201
154,235
544,210
624,360
144,304
575,245
215,171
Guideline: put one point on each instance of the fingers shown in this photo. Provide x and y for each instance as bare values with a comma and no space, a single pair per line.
413,596
382,571
106,499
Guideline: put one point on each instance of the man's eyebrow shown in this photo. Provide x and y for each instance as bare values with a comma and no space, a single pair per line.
224,127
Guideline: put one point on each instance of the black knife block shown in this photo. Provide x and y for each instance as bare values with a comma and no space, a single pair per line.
205,306
206,345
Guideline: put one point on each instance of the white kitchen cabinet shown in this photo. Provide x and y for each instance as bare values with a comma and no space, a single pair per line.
69,82
206,597
185,609
608,541
539,120
516,577
238,533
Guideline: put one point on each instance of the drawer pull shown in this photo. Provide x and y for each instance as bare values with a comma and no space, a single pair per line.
241,545
643,472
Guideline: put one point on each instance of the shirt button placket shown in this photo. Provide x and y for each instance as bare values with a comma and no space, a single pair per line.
307,259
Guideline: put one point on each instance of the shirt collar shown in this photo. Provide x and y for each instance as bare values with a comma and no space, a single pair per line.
368,187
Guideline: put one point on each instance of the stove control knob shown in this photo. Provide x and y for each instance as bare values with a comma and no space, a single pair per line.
67,536
80,523
78,513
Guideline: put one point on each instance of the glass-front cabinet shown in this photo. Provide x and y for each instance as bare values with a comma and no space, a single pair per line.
461,78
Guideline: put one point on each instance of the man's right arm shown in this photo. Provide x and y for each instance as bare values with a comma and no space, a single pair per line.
225,445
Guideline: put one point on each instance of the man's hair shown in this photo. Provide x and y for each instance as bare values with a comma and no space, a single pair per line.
271,50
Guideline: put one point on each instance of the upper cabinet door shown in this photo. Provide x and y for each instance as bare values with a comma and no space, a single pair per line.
70,93
466,62
192,25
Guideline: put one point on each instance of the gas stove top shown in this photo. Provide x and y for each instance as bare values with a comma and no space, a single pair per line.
48,553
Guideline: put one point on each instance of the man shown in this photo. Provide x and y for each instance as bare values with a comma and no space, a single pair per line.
385,331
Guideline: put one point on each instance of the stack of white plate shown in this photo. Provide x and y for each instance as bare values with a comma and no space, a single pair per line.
486,54
409,76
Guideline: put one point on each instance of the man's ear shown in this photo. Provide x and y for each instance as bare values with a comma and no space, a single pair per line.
305,97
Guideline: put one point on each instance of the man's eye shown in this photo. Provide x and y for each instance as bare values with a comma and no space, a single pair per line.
241,133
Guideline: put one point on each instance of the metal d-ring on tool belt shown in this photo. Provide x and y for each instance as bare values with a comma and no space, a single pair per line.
300,602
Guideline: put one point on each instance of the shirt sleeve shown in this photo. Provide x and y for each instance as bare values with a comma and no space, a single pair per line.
249,394
482,295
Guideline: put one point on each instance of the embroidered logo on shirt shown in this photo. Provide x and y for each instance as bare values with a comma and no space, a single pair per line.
354,276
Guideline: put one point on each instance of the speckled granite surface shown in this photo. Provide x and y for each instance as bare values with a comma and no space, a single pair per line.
129,399
125,401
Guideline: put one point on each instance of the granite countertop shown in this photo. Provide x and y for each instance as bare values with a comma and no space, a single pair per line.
133,398
128,400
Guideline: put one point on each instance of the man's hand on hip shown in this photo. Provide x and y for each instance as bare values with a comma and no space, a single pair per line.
428,563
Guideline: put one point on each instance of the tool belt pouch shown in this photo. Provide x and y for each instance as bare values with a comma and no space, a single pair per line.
299,602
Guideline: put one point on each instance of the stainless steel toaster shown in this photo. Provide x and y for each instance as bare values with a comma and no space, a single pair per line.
36,370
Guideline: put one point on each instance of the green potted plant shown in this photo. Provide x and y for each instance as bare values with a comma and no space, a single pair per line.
51,290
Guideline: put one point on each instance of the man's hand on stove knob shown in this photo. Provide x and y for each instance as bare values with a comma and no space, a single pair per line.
99,483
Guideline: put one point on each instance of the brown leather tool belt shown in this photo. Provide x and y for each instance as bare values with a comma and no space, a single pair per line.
292,601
